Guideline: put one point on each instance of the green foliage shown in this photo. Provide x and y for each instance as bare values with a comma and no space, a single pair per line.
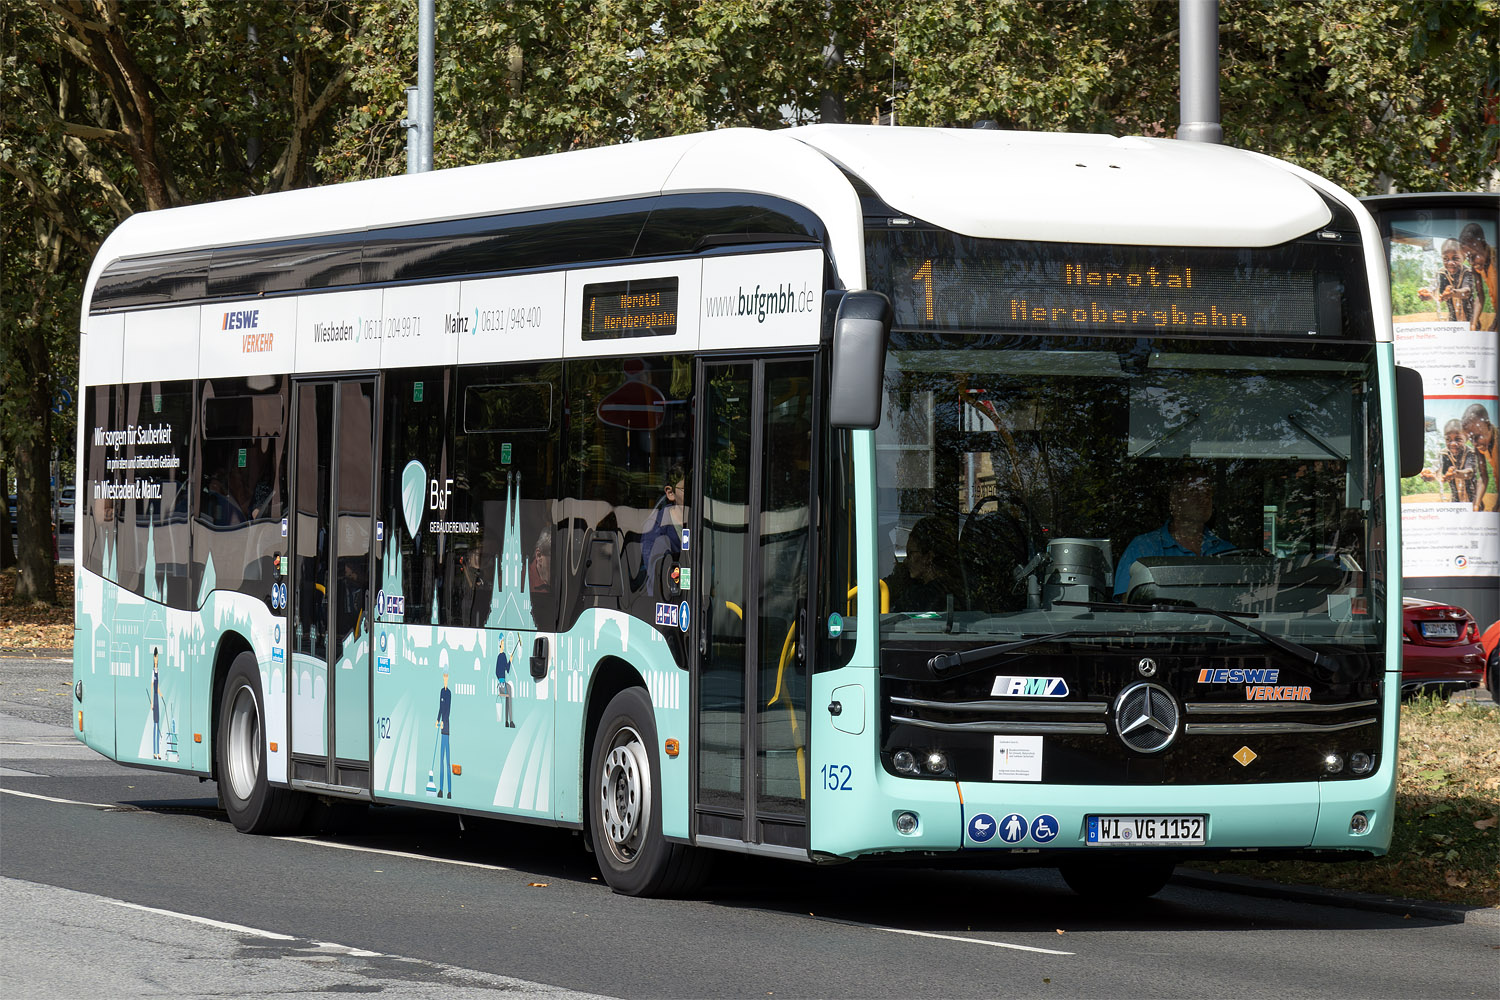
109,108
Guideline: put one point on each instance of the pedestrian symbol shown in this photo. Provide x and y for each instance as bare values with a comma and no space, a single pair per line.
1013,828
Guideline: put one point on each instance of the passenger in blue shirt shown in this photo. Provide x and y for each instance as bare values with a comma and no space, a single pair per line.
1185,534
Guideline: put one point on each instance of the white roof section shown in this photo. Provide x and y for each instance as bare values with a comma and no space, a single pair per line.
748,160
1052,187
1061,187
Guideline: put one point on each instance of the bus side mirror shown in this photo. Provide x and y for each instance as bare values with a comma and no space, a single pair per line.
861,333
1411,421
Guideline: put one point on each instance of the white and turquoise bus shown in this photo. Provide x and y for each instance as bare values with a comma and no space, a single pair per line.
816,494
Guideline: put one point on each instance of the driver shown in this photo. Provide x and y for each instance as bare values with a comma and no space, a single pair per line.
1186,532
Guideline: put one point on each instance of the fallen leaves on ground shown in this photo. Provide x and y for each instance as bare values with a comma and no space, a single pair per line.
37,626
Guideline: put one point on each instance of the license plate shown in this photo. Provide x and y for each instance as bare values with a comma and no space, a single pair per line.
1439,630
1144,831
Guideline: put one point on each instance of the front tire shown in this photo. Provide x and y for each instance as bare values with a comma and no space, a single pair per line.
625,806
252,804
1117,879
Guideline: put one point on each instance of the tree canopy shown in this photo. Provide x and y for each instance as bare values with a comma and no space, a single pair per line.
110,108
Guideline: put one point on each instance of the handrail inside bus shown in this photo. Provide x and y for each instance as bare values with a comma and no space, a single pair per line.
885,597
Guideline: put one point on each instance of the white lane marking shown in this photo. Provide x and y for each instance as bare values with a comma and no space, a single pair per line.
394,854
66,802
221,924
948,937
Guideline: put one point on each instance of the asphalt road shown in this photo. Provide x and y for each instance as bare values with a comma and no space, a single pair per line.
107,891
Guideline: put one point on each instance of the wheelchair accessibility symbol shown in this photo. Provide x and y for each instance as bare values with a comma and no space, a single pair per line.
1043,828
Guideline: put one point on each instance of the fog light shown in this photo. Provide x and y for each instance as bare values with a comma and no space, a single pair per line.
1361,762
906,824
937,762
1359,823
1333,763
904,761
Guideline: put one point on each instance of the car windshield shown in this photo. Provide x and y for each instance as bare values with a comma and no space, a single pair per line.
1089,485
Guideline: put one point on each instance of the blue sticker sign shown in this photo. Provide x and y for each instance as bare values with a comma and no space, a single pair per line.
276,634
666,614
683,614
1013,828
380,531
982,827
1044,828
382,664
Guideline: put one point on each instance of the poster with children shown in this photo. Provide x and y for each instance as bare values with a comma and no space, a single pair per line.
1443,305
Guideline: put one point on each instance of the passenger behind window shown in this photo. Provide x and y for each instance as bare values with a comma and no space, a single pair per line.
925,580
661,539
539,582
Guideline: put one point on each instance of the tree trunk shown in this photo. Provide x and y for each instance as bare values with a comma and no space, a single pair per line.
37,579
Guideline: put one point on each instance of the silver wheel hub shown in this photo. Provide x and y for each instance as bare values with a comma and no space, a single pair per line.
625,795
244,738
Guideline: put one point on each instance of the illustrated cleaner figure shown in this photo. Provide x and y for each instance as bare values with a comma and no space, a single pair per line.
155,705
445,760
502,681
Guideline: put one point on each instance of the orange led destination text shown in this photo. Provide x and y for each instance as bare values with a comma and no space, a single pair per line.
1106,313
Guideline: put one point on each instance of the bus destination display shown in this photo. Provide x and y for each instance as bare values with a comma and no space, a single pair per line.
622,309
1078,295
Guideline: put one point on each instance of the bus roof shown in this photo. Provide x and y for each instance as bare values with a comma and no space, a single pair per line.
983,183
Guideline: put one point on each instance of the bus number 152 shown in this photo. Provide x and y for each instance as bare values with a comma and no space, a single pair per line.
837,777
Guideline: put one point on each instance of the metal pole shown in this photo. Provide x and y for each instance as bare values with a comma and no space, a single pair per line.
413,130
425,34
1198,67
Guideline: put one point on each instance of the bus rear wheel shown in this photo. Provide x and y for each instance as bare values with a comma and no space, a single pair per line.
1119,878
252,804
625,806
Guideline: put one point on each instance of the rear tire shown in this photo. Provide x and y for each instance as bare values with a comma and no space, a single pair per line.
624,800
1117,879
252,804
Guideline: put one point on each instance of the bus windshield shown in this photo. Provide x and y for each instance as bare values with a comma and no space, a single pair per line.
1029,486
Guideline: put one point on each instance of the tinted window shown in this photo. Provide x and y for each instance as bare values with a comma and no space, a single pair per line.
241,493
625,484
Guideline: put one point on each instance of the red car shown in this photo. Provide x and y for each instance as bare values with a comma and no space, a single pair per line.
1440,650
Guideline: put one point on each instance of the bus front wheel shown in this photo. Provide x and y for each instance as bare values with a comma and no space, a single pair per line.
1117,879
252,804
625,806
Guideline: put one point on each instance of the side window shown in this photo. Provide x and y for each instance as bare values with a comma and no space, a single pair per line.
241,491
625,485
95,530
507,438
416,488
150,451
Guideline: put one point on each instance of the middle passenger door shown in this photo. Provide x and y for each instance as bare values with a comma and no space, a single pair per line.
753,532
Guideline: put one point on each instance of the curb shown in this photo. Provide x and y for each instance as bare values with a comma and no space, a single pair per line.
1448,913
31,653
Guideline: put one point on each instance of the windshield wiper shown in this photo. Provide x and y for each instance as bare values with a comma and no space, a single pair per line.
980,656
1232,617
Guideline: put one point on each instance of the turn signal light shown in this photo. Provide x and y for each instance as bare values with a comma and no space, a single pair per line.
673,748
458,769
80,720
